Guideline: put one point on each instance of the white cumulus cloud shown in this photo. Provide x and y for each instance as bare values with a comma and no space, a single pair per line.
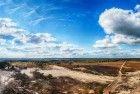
119,21
105,43
121,27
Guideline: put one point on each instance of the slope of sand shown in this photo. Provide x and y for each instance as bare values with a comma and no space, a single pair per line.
5,78
57,71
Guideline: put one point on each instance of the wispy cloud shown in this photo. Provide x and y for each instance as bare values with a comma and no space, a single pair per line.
37,21
31,12
13,10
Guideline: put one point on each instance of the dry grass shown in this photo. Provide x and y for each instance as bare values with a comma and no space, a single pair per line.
23,64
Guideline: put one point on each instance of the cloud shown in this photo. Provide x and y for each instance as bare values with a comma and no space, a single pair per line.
18,43
10,31
31,12
137,7
11,54
37,21
8,28
121,27
123,39
119,21
115,41
17,8
2,41
40,38
71,49
105,43
7,22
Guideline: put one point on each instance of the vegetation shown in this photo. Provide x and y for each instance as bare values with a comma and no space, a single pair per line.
3,65
49,84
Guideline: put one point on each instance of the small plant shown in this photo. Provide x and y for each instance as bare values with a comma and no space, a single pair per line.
50,76
38,75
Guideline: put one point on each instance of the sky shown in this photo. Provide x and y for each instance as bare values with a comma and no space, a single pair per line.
69,28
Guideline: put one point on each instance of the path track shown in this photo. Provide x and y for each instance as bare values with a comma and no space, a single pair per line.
111,87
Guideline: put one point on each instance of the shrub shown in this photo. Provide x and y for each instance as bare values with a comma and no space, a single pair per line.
3,65
25,80
50,76
38,75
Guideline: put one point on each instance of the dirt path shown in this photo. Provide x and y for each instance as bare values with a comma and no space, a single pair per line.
111,87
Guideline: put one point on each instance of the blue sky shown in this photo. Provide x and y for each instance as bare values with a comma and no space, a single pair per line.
69,28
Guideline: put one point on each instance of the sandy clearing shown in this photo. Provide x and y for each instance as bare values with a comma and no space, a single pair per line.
28,71
136,73
5,78
124,92
57,71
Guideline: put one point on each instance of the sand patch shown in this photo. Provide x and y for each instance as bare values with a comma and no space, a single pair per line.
57,71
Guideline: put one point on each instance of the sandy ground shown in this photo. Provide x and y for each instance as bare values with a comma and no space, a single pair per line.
5,78
124,92
57,71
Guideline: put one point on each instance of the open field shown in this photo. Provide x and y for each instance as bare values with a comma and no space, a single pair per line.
70,77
